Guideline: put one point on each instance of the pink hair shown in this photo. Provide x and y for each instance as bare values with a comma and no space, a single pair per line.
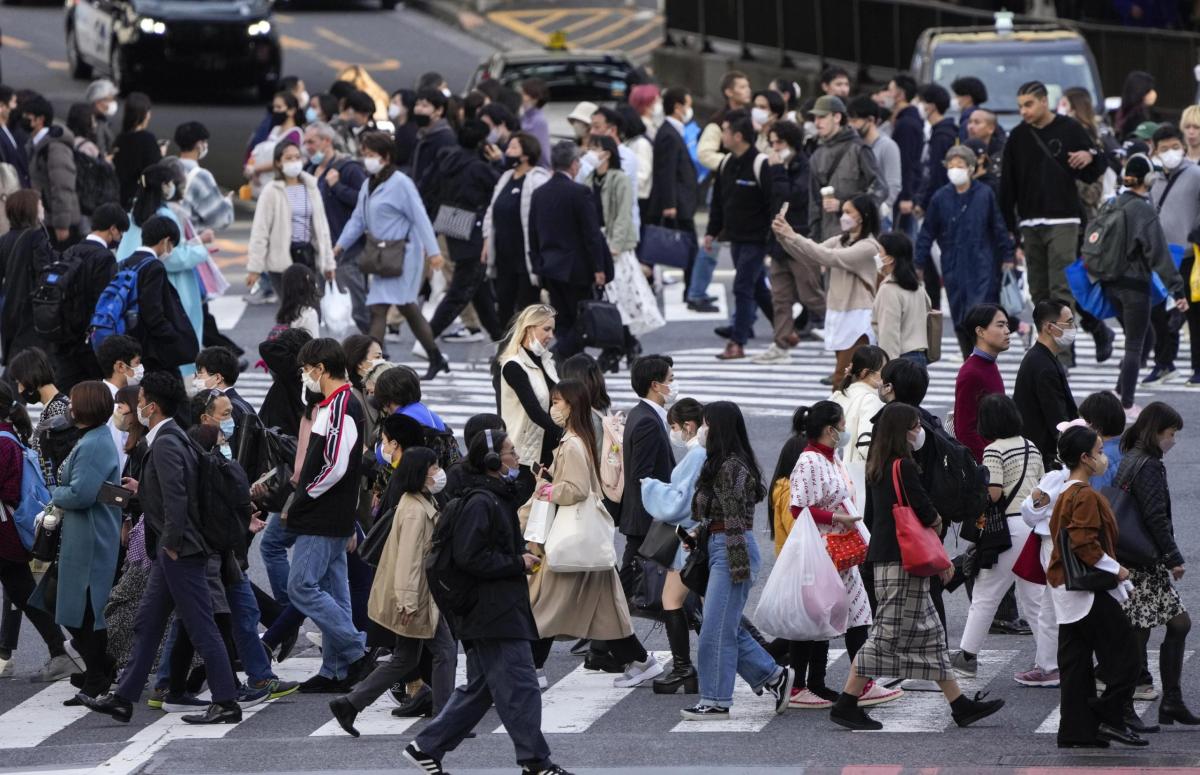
643,96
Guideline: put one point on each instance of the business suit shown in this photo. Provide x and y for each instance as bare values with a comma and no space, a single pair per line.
241,410
163,329
12,151
168,491
1043,396
673,185
566,250
645,454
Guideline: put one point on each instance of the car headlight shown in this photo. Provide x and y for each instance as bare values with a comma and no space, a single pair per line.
152,26
262,27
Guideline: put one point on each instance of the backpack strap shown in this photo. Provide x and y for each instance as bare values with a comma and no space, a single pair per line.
759,161
7,435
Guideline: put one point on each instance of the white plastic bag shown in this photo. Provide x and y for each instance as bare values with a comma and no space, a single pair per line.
337,314
541,518
581,538
804,599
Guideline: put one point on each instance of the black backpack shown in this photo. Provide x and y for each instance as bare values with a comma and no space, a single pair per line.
444,444
95,182
60,312
958,485
223,500
454,591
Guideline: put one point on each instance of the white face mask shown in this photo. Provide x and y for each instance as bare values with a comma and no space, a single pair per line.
439,482
111,110
393,111
702,436
143,417
310,384
372,164
199,383
202,151
923,111
1172,158
759,116
168,191
878,263
786,155
920,440
959,176
688,115
304,98
656,113
138,372
847,222
592,159
292,169
677,437
1067,338
670,394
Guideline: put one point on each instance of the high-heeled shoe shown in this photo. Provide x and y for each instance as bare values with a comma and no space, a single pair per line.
1171,710
437,364
682,676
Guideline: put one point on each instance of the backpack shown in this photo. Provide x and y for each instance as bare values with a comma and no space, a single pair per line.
444,444
612,459
95,182
453,590
56,437
958,485
59,312
117,308
222,512
1104,243
34,495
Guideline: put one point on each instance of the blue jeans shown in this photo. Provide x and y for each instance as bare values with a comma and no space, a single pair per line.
276,540
749,271
243,608
916,356
318,586
726,650
702,272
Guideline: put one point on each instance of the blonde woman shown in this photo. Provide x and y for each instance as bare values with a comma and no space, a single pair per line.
1189,124
527,376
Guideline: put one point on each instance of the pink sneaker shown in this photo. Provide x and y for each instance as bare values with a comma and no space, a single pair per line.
877,694
1037,677
803,699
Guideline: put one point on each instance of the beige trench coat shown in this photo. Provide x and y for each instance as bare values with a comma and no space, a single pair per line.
400,583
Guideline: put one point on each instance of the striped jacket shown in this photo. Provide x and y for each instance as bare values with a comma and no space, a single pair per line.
326,499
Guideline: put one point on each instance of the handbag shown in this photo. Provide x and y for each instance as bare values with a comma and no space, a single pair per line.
454,222
1011,298
1028,565
581,538
647,593
114,495
600,324
694,573
921,549
989,531
933,334
541,518
304,254
46,534
1135,546
846,549
1080,576
666,246
382,257
661,544
370,549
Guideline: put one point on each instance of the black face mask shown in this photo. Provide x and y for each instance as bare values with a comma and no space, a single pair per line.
511,161
278,117
30,396
422,119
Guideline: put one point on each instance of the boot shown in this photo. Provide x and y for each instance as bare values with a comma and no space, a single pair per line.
1134,722
1171,709
818,659
733,351
437,364
682,674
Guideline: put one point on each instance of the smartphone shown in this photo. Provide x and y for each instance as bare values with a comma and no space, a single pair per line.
688,540
541,472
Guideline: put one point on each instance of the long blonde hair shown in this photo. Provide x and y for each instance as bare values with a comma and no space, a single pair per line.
531,317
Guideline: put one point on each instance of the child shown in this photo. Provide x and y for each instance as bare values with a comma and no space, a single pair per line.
1103,412
299,300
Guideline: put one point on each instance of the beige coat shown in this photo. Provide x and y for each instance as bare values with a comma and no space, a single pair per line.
578,605
851,269
900,318
270,248
525,433
400,584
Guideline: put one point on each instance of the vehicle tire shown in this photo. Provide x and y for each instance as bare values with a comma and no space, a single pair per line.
78,68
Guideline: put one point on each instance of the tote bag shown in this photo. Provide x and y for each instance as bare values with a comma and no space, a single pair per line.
921,549
581,538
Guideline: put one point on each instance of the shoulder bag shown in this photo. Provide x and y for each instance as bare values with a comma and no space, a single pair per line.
694,574
660,544
370,549
921,549
1080,576
1135,546
581,538
996,537
455,222
379,256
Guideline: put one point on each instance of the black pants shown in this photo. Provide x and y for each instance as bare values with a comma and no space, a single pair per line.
17,581
10,626
513,293
630,564
1133,307
565,298
92,645
183,651
1105,632
416,321
468,285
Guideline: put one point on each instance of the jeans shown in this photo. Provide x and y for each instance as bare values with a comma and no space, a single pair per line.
747,287
276,540
701,275
916,356
725,648
1133,307
319,587
992,584
244,617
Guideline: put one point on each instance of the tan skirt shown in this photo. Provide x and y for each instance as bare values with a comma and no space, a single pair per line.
579,605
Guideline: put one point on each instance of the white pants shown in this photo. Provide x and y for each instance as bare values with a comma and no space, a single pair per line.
990,586
1045,630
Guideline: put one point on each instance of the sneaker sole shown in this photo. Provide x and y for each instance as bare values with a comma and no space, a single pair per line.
243,704
169,708
156,704
866,703
1038,684
640,678
706,717
284,693
809,706
433,768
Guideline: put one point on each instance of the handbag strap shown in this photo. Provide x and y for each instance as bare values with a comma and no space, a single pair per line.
898,484
1017,487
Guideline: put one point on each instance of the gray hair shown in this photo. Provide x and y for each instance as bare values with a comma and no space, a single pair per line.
961,152
322,129
562,155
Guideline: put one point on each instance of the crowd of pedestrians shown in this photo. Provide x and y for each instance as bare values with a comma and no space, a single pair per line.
395,539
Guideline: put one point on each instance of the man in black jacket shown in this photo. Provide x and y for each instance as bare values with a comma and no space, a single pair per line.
566,247
1042,392
433,134
97,265
673,188
943,134
169,494
167,337
498,630
908,130
645,451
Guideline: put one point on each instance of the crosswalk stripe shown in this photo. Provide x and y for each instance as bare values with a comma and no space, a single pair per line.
929,711
33,721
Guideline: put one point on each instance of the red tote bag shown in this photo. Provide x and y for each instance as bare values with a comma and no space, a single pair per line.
921,549
1029,562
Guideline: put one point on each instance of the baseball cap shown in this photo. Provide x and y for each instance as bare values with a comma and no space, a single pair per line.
1145,130
828,103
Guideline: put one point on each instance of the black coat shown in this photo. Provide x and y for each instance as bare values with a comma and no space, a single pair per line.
13,152
674,182
169,491
23,254
565,241
133,152
1044,398
283,406
788,183
163,329
488,545
1150,491
645,453
881,497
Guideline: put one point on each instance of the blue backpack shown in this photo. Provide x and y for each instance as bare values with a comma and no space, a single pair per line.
117,308
34,495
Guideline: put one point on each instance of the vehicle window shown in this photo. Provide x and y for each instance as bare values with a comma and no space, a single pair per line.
575,81
1003,75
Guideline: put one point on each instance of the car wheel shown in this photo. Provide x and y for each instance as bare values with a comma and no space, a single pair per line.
78,68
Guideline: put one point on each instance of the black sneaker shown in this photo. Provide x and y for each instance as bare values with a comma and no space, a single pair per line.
581,647
977,709
319,684
781,688
704,712
424,761
546,769
854,718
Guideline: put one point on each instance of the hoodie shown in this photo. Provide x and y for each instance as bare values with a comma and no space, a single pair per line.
52,173
845,162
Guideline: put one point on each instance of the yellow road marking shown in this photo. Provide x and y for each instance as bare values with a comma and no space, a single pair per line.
385,64
333,37
284,18
509,20
654,25
17,43
622,20
56,64
645,49
550,18
297,44
287,41
591,18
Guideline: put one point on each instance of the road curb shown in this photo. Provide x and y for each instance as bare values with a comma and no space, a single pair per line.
469,22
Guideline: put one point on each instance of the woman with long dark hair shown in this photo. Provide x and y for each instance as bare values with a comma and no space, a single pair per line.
1138,97
907,638
299,300
136,148
32,372
728,488
901,304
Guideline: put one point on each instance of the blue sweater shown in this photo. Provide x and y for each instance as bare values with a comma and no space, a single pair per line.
671,502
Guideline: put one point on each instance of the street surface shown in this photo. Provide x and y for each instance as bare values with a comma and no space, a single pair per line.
592,727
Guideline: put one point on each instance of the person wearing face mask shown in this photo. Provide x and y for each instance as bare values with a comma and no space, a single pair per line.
120,359
858,395
527,375
674,194
52,170
820,484
217,369
767,107
287,125
289,225
363,353
853,274
400,112
102,95
202,199
933,102
136,147
962,217
908,131
842,162
1042,390
24,248
1155,601
506,228
901,311
866,117
31,372
535,93
434,133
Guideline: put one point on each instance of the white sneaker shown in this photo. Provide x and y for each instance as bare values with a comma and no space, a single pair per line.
543,682
919,685
773,354
804,699
877,694
58,668
8,667
638,673
257,296
314,638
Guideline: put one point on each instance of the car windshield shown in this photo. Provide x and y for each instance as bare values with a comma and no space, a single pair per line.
575,81
1003,75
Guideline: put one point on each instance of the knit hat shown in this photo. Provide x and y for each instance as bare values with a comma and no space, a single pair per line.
100,89
962,152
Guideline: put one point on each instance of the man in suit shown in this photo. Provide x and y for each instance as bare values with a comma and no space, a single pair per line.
12,147
645,450
217,369
163,329
673,191
566,247
1042,392
169,493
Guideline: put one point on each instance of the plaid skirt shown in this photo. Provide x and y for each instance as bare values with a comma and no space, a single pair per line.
906,639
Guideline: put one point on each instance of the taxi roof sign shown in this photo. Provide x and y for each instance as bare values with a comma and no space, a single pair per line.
557,41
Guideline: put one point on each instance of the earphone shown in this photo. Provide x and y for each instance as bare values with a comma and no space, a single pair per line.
491,460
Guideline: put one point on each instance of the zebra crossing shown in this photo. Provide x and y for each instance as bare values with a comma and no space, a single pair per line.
574,704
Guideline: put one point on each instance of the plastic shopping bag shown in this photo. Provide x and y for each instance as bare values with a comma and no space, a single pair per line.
804,598
336,311
541,518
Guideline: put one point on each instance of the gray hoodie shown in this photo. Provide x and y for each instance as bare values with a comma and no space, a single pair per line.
1179,211
846,163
